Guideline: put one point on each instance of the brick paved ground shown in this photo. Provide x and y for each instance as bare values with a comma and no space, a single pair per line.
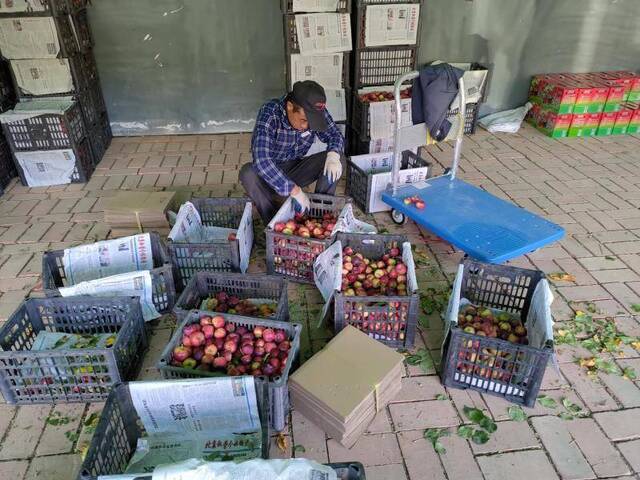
590,186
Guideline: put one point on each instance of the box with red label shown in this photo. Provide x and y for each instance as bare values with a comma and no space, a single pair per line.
584,124
559,97
626,79
555,125
600,93
634,122
607,121
584,96
623,117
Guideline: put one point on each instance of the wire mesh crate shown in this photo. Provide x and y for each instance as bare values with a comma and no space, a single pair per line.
225,255
489,365
120,427
70,375
342,6
45,131
293,255
278,389
257,286
365,185
391,320
382,66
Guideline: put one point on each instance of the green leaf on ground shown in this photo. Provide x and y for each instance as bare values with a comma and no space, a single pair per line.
433,435
299,448
474,414
517,414
635,307
608,257
441,396
57,419
566,416
629,373
547,402
421,357
488,424
480,437
465,431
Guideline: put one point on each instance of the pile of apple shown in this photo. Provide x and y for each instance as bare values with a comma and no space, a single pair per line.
363,276
224,303
486,323
383,96
415,201
307,227
215,345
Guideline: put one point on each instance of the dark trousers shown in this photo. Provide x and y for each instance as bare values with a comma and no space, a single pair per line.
302,172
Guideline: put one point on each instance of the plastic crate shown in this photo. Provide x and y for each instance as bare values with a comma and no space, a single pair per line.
119,429
80,24
100,137
382,65
470,118
344,6
7,167
7,93
291,34
360,19
360,118
278,389
204,284
81,375
49,131
83,170
350,310
164,292
492,365
189,258
361,185
27,8
292,255
92,103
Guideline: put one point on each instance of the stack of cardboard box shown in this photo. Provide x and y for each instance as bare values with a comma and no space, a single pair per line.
585,104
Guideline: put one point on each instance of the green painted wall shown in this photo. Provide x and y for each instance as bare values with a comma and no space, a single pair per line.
519,38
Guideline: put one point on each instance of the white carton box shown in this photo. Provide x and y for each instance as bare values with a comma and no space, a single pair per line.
29,37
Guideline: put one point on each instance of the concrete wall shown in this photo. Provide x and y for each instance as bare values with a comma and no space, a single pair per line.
519,38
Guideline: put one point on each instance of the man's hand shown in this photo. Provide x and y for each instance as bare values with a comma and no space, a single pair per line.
333,167
301,198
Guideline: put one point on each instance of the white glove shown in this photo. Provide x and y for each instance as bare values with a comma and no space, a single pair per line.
333,167
302,199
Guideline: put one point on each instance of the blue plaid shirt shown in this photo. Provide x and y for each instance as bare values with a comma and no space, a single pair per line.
275,141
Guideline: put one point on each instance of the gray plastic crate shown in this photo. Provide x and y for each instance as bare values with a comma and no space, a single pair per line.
204,284
278,388
344,6
119,429
82,375
162,277
379,309
492,365
293,256
360,183
382,65
190,258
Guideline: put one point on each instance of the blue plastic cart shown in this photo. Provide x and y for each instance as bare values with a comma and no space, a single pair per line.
483,226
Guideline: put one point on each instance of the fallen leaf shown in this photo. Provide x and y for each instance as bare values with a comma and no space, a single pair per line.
517,414
547,402
562,277
281,442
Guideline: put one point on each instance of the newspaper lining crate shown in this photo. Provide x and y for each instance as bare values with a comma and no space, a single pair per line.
119,429
49,131
379,310
492,365
360,23
292,255
343,6
382,65
204,284
225,256
278,389
69,375
346,69
25,8
360,183
291,35
82,171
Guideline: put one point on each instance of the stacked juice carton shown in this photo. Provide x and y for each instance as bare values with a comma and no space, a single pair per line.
586,104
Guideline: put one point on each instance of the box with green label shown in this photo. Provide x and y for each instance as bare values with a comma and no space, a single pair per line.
584,124
554,124
607,121
560,98
623,117
634,122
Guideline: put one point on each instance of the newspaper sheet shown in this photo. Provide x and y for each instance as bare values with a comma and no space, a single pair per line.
188,224
132,284
382,117
323,32
395,24
106,258
324,69
43,76
15,6
71,341
38,106
29,37
315,5
47,167
337,104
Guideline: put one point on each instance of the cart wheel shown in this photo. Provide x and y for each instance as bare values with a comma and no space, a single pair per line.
398,218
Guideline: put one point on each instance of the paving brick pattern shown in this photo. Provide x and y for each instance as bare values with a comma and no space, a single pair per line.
590,186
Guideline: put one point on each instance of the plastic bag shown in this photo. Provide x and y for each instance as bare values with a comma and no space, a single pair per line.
508,121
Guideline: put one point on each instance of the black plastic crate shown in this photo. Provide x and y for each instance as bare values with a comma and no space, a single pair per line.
492,365
92,103
189,258
7,93
278,389
71,375
373,315
119,429
83,170
7,167
360,182
360,118
292,255
44,7
382,65
204,284
470,118
49,131
80,24
344,6
100,137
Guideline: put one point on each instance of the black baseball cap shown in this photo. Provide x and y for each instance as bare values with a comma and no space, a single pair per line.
311,97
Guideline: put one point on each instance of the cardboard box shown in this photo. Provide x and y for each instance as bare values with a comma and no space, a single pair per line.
584,125
555,125
139,211
599,97
584,98
623,118
634,122
43,76
623,78
28,37
560,97
607,121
